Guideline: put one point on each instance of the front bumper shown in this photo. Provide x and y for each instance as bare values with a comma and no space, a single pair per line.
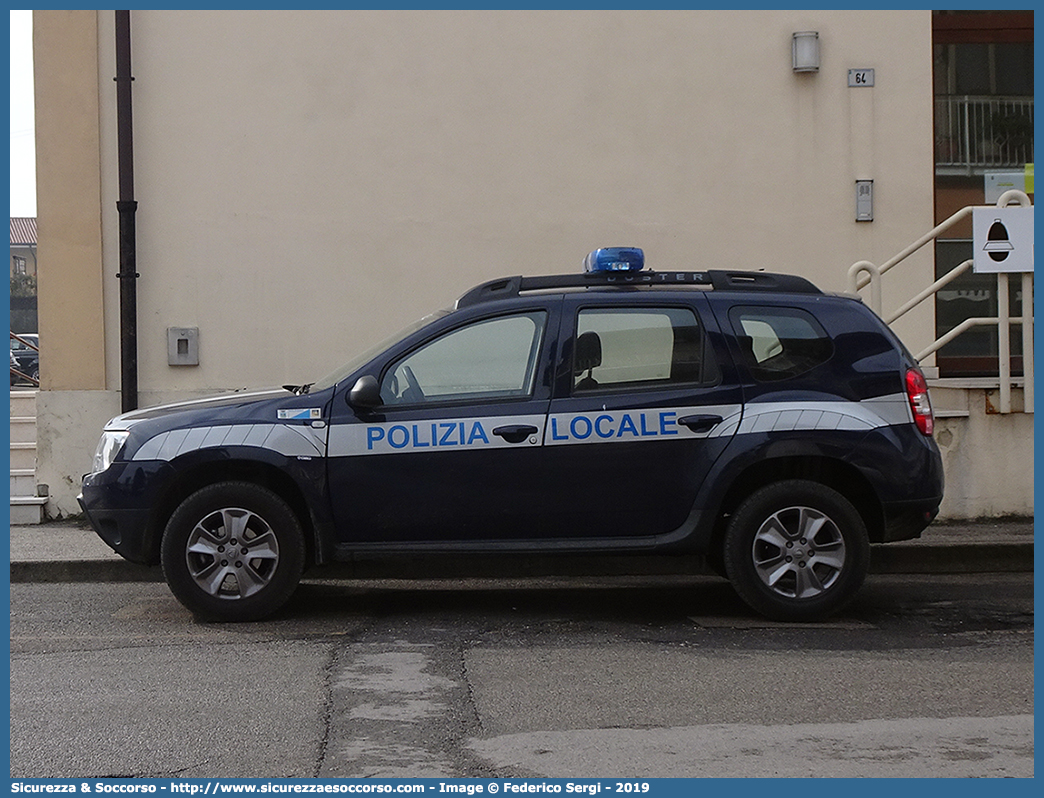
120,503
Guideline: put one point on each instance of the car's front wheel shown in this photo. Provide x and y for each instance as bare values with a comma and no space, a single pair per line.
796,550
233,551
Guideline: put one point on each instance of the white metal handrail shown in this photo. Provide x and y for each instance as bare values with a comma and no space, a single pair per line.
964,326
942,282
865,273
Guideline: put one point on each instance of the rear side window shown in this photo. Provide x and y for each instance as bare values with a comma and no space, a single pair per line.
780,343
639,347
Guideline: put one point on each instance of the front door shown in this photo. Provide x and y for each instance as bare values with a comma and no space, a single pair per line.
453,452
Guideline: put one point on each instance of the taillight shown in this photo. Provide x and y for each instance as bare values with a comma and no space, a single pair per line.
920,404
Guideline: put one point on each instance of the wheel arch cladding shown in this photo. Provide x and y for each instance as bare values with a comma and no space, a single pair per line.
201,474
836,474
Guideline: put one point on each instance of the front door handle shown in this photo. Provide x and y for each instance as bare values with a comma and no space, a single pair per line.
700,423
515,433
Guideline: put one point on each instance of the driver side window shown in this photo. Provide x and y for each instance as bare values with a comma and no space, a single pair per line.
490,359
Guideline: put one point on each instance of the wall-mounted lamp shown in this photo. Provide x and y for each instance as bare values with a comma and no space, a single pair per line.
805,51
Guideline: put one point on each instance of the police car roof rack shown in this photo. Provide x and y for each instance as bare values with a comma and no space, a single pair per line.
510,287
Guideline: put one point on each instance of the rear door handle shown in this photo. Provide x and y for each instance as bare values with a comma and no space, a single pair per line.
516,433
700,423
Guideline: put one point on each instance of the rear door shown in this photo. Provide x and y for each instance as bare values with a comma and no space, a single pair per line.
645,401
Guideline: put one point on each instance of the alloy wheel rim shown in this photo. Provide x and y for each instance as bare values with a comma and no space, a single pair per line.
798,552
232,553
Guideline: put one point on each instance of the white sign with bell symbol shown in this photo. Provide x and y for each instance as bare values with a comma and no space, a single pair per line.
1002,239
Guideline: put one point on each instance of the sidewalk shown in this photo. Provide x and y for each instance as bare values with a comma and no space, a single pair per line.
70,551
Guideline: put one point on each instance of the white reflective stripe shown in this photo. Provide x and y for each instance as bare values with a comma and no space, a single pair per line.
608,426
257,435
151,448
617,426
291,441
194,439
172,445
296,441
882,411
237,435
894,409
216,436
431,435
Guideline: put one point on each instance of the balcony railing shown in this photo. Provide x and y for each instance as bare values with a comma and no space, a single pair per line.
976,133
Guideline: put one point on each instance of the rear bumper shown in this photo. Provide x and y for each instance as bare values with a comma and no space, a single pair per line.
906,520
905,471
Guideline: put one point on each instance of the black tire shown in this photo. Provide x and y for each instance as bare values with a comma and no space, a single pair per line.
225,519
820,532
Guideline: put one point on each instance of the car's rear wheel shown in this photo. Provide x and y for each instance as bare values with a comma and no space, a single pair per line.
796,550
233,551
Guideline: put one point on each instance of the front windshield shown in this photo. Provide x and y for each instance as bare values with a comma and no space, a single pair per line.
361,360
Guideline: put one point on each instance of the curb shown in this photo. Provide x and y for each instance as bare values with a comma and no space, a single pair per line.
83,571
958,558
892,558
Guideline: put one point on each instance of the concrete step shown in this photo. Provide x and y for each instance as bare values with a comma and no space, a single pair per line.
949,402
23,456
23,403
962,398
27,509
26,506
23,429
23,482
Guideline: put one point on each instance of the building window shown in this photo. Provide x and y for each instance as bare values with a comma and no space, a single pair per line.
995,69
983,91
19,264
983,85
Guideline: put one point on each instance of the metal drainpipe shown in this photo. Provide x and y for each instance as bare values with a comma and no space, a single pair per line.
127,207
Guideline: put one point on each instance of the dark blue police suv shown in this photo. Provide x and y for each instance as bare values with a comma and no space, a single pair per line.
746,416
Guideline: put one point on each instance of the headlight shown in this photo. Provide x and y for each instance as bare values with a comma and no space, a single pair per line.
108,447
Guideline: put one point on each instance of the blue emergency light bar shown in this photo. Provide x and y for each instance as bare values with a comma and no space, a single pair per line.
614,259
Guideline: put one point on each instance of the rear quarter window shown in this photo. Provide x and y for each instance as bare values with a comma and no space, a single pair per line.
779,343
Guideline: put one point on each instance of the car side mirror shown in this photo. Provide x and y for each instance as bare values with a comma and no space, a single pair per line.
366,393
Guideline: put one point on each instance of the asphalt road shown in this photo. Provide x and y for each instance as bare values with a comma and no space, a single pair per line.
611,677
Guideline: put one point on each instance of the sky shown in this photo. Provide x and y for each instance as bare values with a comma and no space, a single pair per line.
23,144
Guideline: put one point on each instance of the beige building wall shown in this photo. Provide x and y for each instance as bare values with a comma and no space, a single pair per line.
68,182
310,181
74,397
